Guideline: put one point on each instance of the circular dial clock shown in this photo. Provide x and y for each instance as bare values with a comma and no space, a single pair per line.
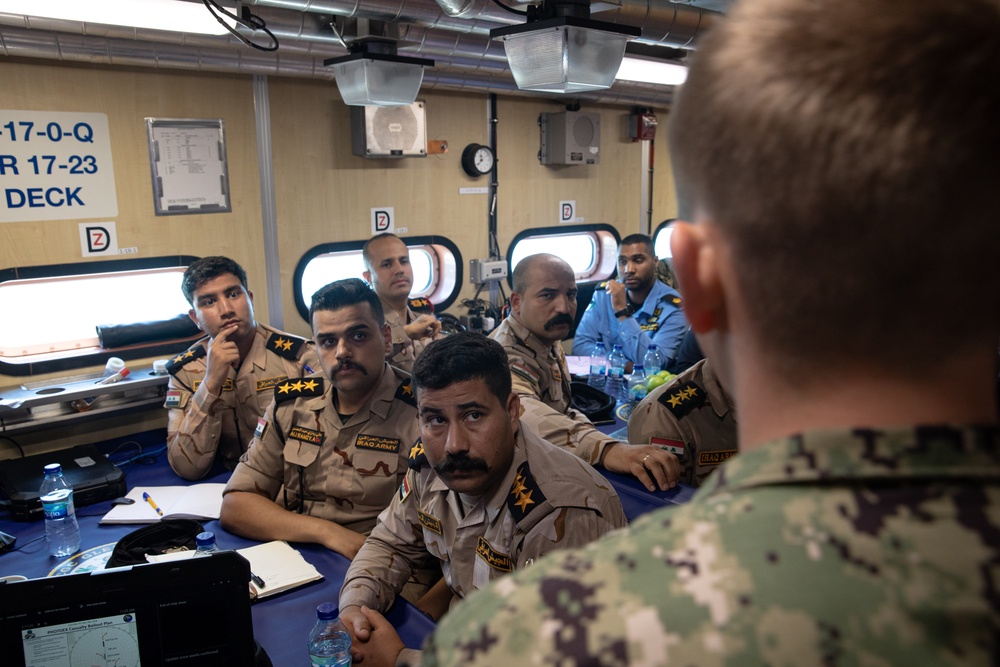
477,160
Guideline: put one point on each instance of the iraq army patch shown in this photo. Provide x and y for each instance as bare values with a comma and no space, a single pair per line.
261,429
493,558
184,358
524,493
289,390
377,443
270,383
430,523
421,305
675,447
417,457
228,385
405,393
306,435
285,346
681,399
716,457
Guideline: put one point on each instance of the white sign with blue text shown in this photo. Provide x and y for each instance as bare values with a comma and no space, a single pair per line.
55,165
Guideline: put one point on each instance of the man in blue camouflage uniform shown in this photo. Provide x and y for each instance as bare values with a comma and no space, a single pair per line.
860,523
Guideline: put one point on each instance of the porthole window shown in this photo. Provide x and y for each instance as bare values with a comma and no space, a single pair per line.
589,249
661,239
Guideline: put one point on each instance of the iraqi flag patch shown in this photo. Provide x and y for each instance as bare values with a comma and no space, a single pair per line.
675,447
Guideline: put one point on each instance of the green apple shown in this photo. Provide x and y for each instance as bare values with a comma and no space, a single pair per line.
654,382
664,374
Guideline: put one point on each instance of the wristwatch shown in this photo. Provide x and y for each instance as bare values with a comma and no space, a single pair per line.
626,311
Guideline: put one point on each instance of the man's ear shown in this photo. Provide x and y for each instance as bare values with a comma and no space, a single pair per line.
367,275
387,335
514,409
696,264
194,318
515,303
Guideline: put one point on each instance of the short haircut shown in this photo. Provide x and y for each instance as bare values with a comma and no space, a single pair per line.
202,270
849,153
519,278
635,239
467,355
347,292
366,253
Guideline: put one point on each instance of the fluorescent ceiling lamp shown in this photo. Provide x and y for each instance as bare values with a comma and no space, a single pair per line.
152,14
652,71
378,79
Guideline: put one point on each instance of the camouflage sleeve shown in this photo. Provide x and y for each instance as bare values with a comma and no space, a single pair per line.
571,430
261,469
194,427
391,553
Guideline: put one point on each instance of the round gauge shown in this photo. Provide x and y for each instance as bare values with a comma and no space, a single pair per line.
477,160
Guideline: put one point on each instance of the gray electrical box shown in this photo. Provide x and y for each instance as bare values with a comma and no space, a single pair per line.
389,132
570,137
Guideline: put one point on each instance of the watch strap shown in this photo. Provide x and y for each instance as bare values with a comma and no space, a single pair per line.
627,311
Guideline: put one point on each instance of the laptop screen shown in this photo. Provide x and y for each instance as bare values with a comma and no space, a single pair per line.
182,613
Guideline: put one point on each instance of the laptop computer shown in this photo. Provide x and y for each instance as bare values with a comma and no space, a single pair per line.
182,613
93,476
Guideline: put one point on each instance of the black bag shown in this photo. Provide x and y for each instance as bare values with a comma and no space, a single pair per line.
592,402
164,536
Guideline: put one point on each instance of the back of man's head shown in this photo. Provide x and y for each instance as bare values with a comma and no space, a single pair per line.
849,153
202,270
347,292
460,357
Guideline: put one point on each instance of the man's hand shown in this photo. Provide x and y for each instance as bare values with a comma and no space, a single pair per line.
223,354
357,624
384,646
618,294
422,327
643,461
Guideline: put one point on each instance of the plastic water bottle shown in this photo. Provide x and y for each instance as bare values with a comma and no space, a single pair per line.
61,529
616,373
114,371
206,544
636,388
329,641
653,361
598,367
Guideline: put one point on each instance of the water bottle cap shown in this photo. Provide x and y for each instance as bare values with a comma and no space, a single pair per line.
327,611
160,367
637,367
205,539
114,365
53,469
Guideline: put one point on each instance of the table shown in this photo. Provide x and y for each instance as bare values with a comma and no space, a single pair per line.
280,623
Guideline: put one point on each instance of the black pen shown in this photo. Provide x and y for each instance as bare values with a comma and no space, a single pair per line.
257,580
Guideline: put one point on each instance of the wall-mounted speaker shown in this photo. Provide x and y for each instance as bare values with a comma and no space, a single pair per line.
570,137
389,131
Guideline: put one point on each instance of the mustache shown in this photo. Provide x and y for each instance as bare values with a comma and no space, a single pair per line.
562,318
348,364
461,463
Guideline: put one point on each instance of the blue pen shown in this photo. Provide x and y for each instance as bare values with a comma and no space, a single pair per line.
306,368
148,499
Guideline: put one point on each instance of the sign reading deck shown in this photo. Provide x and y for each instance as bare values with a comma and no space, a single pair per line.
55,165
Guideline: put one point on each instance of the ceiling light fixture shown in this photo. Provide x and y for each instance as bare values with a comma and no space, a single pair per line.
170,15
645,70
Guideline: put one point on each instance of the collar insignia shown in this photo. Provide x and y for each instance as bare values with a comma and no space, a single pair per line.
417,457
285,346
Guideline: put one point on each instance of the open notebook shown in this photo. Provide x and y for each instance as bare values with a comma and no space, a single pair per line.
197,501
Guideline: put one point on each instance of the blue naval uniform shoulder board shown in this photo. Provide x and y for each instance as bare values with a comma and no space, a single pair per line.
524,493
300,388
683,398
196,351
285,346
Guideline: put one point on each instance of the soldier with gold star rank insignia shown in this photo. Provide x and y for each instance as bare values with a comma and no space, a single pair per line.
691,416
486,495
221,385
330,452
412,321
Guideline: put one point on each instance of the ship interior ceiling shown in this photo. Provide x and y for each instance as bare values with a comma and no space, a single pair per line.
301,179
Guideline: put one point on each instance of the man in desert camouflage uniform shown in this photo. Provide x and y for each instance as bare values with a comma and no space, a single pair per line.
860,523
222,384
485,495
411,321
691,416
543,302
331,450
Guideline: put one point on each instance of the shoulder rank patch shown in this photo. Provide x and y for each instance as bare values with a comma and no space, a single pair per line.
288,390
377,443
711,458
493,558
405,393
417,457
285,346
603,285
192,353
683,398
430,523
524,493
306,435
421,305
676,300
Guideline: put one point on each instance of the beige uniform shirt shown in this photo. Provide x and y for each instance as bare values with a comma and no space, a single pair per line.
692,417
548,500
201,426
307,460
540,377
405,350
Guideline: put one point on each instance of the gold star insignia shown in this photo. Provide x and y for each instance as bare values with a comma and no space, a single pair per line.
297,386
287,346
283,389
417,450
189,353
407,389
278,344
309,385
178,358
524,500
691,392
518,486
676,399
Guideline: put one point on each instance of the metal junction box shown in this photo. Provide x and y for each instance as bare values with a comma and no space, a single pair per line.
570,137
